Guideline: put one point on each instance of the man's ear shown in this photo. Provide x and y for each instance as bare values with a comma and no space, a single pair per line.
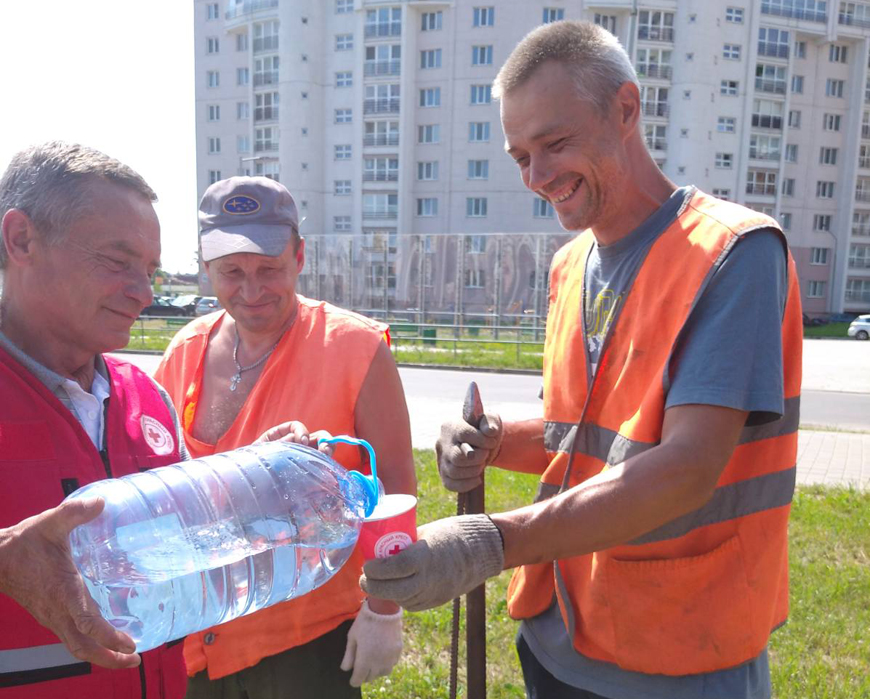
300,255
628,106
19,237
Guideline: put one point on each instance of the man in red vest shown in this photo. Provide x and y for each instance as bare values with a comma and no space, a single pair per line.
654,561
80,242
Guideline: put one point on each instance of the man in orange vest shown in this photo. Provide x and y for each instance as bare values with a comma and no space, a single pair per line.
274,356
654,561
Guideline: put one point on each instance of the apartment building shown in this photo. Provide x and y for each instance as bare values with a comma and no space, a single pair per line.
379,117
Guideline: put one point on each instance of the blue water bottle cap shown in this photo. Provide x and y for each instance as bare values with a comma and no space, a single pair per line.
369,483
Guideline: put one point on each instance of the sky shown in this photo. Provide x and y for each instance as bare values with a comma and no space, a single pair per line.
115,75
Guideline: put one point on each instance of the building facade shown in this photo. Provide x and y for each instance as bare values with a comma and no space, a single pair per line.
378,116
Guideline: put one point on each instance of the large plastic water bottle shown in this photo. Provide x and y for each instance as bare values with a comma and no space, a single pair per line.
181,548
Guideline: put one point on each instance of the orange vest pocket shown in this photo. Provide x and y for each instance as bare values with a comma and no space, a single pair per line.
682,616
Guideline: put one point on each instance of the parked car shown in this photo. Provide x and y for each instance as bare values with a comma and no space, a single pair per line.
207,304
187,303
860,328
161,306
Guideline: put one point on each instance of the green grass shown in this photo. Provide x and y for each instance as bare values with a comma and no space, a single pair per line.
822,652
829,330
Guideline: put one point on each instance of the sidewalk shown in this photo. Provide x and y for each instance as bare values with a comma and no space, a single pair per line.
833,458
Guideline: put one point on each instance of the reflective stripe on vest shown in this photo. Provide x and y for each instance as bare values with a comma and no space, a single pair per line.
39,664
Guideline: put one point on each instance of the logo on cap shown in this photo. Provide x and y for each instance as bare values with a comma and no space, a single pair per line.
241,205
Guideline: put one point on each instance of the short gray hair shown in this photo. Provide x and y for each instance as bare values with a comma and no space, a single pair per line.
594,56
50,183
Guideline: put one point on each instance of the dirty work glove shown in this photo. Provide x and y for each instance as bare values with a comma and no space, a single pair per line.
374,644
451,557
463,451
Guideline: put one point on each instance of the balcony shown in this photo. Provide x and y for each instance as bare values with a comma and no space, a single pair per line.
775,87
865,130
379,68
381,139
767,48
269,77
381,215
861,230
786,10
654,71
657,144
266,43
388,176
767,121
762,154
864,161
767,190
387,105
665,34
655,109
862,195
859,263
383,29
265,114
850,20
242,11
858,296
265,146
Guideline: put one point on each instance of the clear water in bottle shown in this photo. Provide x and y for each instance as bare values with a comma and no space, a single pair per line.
181,548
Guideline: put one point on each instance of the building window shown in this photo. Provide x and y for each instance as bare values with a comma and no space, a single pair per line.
474,279
481,55
831,122
478,169
655,26
343,42
785,220
214,145
427,170
484,17
212,45
341,224
341,187
243,144
553,14
268,168
859,256
816,289
343,7
767,114
429,133
343,151
838,53
800,49
431,21
478,132
385,21
266,71
344,79
797,84
761,182
723,194
212,11
794,119
655,136
384,59
475,244
241,42
834,88
427,206
770,78
654,63
724,161
243,76
606,21
827,156
788,187
762,147
431,58
773,42
734,15
726,125
343,116
475,207
243,111
380,205
728,87
430,97
791,153
731,52
541,208
213,78
266,36
824,190
214,176
214,112
818,256
481,94
822,222
383,169
265,139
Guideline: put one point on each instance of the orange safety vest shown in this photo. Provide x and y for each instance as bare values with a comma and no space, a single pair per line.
703,592
314,375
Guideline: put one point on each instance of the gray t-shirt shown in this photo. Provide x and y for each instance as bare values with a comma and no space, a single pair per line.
713,364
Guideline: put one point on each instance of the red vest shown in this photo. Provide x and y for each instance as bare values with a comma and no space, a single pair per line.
45,454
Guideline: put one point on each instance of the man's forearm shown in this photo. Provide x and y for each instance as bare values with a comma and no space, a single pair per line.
522,448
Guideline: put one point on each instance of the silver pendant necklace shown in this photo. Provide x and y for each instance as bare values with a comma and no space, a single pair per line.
237,377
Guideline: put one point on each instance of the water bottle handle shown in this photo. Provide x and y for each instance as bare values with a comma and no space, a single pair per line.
368,483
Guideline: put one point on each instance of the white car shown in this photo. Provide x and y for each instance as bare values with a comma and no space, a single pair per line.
860,328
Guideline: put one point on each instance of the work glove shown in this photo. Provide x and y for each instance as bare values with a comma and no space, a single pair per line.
463,451
374,644
450,557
